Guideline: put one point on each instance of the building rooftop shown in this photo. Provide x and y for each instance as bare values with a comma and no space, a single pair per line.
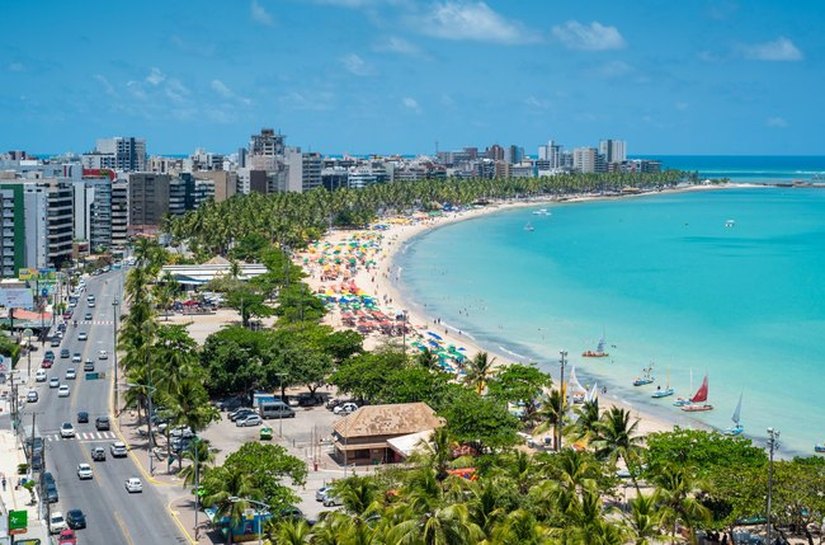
393,419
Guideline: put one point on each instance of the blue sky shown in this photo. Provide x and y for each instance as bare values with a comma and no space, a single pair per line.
386,76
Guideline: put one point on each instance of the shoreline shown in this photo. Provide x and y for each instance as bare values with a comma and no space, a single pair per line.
384,280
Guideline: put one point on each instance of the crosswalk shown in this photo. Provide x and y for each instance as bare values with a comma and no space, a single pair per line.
85,437
94,322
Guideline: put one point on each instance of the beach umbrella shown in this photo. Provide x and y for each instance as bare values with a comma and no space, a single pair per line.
435,335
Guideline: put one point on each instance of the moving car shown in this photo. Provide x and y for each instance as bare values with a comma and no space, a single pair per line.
64,353
47,364
84,471
102,423
55,342
49,355
82,417
88,366
87,316
54,382
71,374
40,375
63,391
56,523
82,336
133,484
99,454
251,420
66,430
32,397
118,450
76,357
75,519
102,354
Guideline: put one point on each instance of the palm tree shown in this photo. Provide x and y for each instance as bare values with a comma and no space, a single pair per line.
520,527
436,453
226,490
202,458
552,414
643,519
360,495
616,439
444,525
478,370
675,498
586,425
428,360
289,531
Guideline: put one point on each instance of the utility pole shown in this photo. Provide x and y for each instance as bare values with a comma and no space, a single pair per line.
115,304
149,389
773,444
283,400
196,451
562,391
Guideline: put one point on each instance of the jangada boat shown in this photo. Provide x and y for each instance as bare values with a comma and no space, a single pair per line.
668,390
645,379
598,353
737,427
698,403
819,448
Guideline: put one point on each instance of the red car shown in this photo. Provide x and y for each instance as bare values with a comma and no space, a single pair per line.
67,537
46,364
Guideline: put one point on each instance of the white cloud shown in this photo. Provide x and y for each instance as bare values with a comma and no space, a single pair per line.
613,69
537,103
776,122
316,101
221,88
455,20
356,65
780,49
155,77
176,90
592,37
259,14
107,86
411,104
136,89
394,44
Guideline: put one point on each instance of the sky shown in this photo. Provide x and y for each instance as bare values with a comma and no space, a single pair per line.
404,76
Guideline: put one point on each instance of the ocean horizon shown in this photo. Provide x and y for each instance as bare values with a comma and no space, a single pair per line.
667,279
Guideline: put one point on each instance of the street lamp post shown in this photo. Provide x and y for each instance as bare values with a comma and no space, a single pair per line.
773,443
281,420
115,304
149,390
562,363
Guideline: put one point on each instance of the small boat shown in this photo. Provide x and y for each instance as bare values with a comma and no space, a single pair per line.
667,391
598,353
820,448
737,427
681,401
541,212
698,403
529,227
645,379
730,223
578,393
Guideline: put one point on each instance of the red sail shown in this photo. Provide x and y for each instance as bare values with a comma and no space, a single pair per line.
702,393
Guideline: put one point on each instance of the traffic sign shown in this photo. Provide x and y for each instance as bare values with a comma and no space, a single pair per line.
18,520
92,376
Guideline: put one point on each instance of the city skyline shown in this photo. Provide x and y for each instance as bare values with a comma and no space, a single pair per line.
391,76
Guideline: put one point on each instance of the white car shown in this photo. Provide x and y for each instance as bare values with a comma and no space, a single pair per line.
66,430
133,484
329,499
54,382
82,336
251,420
63,391
102,354
40,376
84,471
118,450
57,523
346,408
71,374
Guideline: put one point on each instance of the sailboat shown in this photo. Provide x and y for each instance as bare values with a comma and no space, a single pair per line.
578,393
599,352
681,401
529,227
698,403
645,379
541,212
737,427
668,391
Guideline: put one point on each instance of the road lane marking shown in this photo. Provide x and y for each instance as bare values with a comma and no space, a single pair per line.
123,529
178,521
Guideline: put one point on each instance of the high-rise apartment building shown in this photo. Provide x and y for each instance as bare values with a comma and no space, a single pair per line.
267,144
13,239
120,213
149,201
614,151
584,159
303,170
93,212
126,153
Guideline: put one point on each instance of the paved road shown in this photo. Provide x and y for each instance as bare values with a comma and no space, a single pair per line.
113,515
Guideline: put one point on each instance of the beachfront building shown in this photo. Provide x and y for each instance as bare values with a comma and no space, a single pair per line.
584,159
613,151
124,153
382,433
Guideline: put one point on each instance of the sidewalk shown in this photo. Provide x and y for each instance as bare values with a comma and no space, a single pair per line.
11,497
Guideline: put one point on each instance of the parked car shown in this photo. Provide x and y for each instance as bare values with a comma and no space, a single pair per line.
319,494
251,420
345,408
265,434
278,409
67,537
310,400
82,417
118,450
332,403
239,413
230,404
84,471
133,484
99,454
56,523
76,519
330,499
102,423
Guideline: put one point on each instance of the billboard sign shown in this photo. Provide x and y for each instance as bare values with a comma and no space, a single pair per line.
16,298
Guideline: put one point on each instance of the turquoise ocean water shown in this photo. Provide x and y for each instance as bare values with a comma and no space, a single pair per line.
666,281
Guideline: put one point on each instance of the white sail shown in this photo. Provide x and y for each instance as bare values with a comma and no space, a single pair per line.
593,394
600,347
737,412
575,385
